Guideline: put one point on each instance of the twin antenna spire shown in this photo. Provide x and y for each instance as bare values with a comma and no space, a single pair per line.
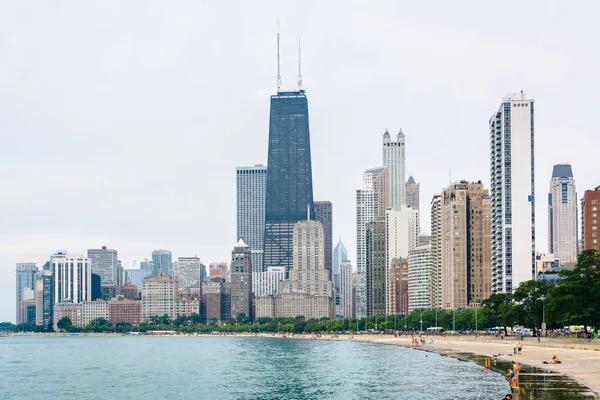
300,88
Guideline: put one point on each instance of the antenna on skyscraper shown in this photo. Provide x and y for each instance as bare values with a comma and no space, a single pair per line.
299,66
278,64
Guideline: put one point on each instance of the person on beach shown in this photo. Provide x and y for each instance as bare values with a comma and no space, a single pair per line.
554,360
520,348
514,384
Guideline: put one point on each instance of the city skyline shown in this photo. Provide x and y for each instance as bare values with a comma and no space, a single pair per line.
122,207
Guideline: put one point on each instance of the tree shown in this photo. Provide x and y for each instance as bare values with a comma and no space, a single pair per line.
529,302
576,299
64,323
499,309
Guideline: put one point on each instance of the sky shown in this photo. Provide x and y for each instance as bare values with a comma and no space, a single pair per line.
122,123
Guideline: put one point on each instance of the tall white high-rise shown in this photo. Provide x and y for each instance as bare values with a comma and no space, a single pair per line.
346,289
251,192
436,251
512,192
402,235
562,215
189,272
394,159
72,277
420,282
267,283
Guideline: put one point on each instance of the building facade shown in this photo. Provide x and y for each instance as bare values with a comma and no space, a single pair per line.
121,309
402,235
162,262
512,192
251,195
189,272
219,269
267,283
213,300
324,214
377,270
590,206
345,294
420,279
340,254
466,245
289,176
25,279
412,198
395,159
44,299
159,293
436,251
563,237
72,277
399,286
105,263
241,281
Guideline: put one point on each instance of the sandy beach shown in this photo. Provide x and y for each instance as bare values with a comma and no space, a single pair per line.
580,358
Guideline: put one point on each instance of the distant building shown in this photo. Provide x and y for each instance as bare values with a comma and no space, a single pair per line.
251,192
105,263
340,254
376,267
25,279
189,272
267,283
436,251
512,192
309,291
552,276
590,229
412,198
562,215
27,311
324,214
345,294
159,293
399,286
241,281
187,307
213,300
72,277
395,159
44,299
96,287
402,235
135,276
68,310
162,262
131,292
289,176
121,309
544,262
424,240
93,310
420,274
219,269
466,245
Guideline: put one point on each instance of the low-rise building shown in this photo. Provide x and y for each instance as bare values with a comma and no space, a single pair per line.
159,294
122,309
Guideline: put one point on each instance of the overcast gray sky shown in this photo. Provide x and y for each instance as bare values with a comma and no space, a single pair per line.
121,123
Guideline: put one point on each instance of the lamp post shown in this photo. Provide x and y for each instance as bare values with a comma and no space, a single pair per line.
436,324
395,322
543,315
475,320
421,321
454,319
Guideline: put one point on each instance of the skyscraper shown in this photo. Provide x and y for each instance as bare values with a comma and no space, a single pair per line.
25,278
402,235
189,272
420,274
251,191
106,265
241,281
562,214
465,243
159,296
324,214
376,267
72,278
512,192
590,209
412,198
289,195
44,299
340,254
436,251
394,158
346,289
162,262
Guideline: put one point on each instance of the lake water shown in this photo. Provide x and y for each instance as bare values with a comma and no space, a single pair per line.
87,367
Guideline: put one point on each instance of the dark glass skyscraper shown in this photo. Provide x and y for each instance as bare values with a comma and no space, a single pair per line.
289,195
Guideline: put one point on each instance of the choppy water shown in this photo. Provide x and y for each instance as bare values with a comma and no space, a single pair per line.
232,368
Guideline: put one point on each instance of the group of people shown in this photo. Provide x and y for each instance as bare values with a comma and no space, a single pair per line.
513,378
518,349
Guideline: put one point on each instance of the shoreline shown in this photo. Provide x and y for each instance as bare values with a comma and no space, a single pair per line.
580,358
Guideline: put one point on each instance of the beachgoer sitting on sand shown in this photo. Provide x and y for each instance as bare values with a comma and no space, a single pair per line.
554,360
